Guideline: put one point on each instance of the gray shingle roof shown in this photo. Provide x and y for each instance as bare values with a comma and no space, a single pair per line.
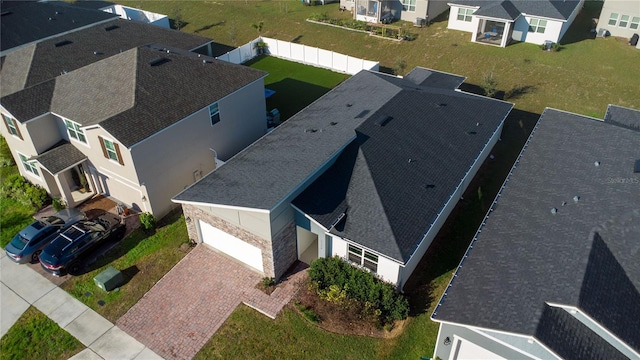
585,255
511,9
399,176
32,21
434,79
60,157
30,102
622,116
49,60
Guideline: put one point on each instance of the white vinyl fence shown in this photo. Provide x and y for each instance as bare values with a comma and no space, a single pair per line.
303,54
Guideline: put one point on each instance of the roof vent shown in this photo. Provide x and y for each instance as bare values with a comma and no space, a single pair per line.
382,120
441,105
159,61
310,130
554,211
333,123
50,19
338,219
478,124
428,186
97,53
349,105
63,43
576,199
636,168
6,13
472,132
597,163
362,114
111,27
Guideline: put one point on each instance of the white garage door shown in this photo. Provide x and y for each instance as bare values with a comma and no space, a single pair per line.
231,245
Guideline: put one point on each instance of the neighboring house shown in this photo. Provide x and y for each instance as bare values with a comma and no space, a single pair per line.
139,124
498,22
368,172
620,18
553,271
376,11
127,12
27,22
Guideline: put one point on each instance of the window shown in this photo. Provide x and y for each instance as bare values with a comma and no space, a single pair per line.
408,5
363,258
29,166
537,26
214,112
613,19
635,21
12,126
111,150
465,14
624,21
74,131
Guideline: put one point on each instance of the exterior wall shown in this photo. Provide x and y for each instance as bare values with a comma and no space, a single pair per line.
305,239
284,250
566,25
455,24
254,222
435,8
200,213
350,5
185,147
551,33
620,7
388,269
420,12
45,132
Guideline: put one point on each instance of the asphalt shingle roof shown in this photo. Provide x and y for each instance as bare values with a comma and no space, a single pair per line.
624,117
31,21
395,182
60,157
511,9
585,255
85,47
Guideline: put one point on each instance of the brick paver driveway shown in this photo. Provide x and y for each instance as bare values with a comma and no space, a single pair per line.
190,303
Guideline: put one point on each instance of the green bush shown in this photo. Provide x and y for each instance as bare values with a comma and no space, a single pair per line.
38,195
58,204
147,220
15,186
333,276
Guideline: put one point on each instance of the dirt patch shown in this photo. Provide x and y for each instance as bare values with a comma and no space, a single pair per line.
340,320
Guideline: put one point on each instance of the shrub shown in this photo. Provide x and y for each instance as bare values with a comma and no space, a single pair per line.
489,84
37,195
336,280
268,281
147,220
308,313
58,204
15,186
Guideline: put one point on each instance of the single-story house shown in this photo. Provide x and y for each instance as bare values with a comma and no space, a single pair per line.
384,11
368,172
498,22
138,125
620,18
553,271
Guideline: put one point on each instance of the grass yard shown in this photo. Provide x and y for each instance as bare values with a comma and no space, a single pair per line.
143,260
35,336
290,79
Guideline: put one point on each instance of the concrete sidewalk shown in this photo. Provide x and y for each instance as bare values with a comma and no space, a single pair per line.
21,286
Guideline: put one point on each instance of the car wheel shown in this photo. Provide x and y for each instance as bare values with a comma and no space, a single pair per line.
74,268
35,257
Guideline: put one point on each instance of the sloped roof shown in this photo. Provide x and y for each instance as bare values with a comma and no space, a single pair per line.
622,116
395,181
435,79
60,157
66,53
129,95
511,9
585,255
27,22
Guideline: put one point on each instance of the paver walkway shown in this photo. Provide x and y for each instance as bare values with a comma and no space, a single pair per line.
190,303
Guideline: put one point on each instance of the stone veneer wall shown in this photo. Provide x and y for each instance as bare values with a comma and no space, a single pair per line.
283,248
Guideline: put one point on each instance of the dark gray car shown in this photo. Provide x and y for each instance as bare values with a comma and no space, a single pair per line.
27,245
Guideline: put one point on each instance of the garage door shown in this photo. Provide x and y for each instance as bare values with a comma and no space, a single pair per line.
231,246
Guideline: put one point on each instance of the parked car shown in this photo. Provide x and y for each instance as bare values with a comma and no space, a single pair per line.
28,243
65,254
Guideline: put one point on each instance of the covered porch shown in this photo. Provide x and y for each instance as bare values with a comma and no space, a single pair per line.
373,11
66,174
493,32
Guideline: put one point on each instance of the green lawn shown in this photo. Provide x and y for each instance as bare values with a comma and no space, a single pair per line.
296,85
143,260
35,336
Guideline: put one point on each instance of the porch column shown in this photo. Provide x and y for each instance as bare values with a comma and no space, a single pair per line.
65,193
506,34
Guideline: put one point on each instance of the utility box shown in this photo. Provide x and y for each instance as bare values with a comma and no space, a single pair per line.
109,279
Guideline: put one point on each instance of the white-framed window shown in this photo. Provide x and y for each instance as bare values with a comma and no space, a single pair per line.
12,126
75,132
465,14
363,258
537,26
214,113
408,5
29,166
635,21
624,21
613,18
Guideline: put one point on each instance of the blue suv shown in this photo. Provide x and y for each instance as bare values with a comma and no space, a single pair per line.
65,253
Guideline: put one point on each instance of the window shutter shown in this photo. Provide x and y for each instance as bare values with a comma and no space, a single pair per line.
6,123
118,153
104,149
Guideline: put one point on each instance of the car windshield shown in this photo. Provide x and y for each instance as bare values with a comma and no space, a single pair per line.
19,242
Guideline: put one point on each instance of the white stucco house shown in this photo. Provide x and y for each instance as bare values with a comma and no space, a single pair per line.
121,105
377,11
369,172
620,18
500,22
